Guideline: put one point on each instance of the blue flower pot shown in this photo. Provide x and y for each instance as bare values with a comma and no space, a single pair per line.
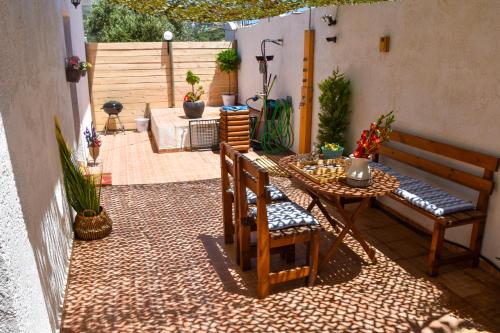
332,154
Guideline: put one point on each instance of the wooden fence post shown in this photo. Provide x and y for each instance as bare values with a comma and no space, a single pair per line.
307,94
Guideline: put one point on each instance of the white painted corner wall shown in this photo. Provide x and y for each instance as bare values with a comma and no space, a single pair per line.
35,224
441,76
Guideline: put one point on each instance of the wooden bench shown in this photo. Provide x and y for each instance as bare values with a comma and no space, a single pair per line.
483,185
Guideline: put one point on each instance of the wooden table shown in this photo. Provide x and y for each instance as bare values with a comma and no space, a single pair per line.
335,194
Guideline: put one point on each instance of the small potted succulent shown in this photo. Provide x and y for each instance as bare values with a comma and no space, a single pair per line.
332,150
359,173
228,62
93,142
193,106
75,69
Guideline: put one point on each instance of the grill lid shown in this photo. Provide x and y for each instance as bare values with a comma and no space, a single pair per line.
112,107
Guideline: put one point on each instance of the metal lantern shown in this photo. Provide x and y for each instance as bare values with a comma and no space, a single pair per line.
75,2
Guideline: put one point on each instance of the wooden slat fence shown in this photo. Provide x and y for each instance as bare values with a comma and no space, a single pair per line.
140,73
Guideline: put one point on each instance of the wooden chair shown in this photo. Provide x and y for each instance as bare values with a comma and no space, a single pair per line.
482,184
278,225
228,156
228,160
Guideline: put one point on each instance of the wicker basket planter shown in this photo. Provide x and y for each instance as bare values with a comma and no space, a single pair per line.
92,227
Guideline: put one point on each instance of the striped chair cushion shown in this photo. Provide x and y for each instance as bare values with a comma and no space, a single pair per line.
283,215
425,196
274,193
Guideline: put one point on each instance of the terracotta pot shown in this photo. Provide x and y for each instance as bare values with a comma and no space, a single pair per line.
94,152
93,226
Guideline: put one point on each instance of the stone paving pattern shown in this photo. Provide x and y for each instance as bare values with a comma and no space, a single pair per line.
165,268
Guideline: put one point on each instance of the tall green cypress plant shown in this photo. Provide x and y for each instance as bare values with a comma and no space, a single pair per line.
334,114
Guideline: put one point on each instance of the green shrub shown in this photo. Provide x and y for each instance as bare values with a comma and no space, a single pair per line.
193,95
228,61
334,114
81,191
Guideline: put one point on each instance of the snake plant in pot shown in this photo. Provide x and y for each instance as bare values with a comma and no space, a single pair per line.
193,106
91,221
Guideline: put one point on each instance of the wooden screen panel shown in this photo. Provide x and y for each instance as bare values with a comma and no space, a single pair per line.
138,73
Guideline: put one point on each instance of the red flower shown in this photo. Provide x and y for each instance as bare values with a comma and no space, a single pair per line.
371,139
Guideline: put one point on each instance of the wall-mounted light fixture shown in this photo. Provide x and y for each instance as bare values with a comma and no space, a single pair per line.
75,2
329,19
384,45
332,39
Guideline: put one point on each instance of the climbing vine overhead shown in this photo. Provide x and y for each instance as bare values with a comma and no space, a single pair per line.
226,10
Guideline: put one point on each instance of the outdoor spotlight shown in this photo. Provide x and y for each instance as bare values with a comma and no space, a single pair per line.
329,19
75,2
332,39
168,36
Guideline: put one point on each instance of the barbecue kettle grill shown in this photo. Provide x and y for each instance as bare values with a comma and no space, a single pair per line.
113,108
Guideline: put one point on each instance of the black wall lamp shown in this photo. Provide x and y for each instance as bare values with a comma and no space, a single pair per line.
332,39
75,2
329,19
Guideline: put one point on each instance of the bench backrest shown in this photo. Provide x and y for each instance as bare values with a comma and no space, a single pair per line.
489,164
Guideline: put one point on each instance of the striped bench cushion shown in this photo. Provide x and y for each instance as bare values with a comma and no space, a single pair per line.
425,196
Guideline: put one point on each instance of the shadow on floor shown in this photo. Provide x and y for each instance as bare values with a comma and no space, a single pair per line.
165,268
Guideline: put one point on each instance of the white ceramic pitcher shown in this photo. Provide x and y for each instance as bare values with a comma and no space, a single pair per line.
359,169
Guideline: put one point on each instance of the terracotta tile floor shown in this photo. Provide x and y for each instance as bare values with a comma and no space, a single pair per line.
165,268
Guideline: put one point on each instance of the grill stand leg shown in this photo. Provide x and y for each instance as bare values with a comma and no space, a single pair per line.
121,125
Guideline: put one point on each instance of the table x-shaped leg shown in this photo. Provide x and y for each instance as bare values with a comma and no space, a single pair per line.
317,202
348,223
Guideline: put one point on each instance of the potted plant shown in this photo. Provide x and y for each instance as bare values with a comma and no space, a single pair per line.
91,221
228,62
332,150
193,107
75,69
359,174
93,142
334,109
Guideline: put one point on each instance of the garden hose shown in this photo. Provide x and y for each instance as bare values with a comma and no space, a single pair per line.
277,135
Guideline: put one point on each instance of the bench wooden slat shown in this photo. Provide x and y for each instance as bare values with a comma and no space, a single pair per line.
459,154
458,176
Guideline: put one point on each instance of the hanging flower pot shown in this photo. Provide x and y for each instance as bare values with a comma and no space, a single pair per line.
75,69
90,226
73,75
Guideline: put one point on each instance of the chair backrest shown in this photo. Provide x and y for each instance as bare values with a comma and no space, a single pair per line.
489,164
253,177
228,165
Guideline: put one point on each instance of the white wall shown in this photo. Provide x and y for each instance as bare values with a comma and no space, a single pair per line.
441,76
35,224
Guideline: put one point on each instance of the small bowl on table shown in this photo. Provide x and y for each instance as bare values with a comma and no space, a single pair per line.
332,154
